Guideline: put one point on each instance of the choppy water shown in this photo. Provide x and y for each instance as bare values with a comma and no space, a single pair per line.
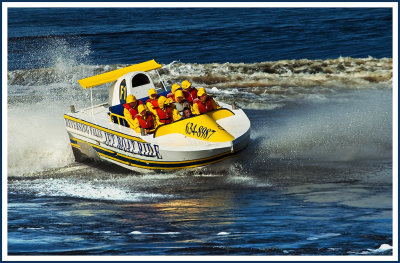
290,209
316,178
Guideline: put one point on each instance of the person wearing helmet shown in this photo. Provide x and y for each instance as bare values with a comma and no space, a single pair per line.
174,88
181,102
204,103
144,119
152,101
130,109
165,113
189,91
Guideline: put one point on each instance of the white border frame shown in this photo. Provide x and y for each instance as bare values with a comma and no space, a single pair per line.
393,5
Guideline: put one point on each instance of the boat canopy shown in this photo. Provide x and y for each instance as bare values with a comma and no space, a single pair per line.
116,74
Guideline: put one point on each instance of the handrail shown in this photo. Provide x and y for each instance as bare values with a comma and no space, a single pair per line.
118,118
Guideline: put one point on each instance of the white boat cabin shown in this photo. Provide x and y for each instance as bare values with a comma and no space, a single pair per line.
137,83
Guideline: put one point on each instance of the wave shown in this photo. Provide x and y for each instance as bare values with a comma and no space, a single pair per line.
341,72
265,85
383,249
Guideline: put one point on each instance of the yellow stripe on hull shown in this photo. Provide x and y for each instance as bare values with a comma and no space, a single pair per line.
115,159
75,145
166,168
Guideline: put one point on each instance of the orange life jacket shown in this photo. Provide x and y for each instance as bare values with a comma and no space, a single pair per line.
147,123
203,108
190,94
153,102
164,116
171,95
131,110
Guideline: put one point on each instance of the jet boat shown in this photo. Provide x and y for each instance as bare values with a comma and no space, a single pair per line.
101,132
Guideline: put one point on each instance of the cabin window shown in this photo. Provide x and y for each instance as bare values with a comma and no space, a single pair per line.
140,80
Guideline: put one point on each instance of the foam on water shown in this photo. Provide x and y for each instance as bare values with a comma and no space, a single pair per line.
223,233
136,233
245,180
155,233
323,236
353,73
384,248
350,73
78,188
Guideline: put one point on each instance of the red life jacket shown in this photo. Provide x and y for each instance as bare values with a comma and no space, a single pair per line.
190,94
131,110
203,108
153,102
171,95
165,116
147,123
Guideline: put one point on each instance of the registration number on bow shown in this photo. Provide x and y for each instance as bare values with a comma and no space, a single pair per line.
200,131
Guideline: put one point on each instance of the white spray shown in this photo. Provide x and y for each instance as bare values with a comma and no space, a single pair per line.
351,126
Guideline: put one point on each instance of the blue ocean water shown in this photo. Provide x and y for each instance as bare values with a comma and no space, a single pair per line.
199,35
316,178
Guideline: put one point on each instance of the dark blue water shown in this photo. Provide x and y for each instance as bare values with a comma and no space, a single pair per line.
196,35
316,178
261,214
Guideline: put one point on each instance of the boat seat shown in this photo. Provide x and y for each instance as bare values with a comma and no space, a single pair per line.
118,110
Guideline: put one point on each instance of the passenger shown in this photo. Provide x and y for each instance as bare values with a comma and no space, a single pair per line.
189,91
187,113
144,119
174,88
164,112
169,102
152,101
181,102
204,103
130,109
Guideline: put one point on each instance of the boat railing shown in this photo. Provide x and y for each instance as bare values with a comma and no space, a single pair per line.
118,118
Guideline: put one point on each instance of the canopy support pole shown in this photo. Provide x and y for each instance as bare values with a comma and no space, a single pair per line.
162,80
91,100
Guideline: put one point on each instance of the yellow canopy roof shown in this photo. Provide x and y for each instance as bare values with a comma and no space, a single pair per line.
116,74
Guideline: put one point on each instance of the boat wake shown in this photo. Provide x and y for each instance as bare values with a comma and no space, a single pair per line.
100,190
